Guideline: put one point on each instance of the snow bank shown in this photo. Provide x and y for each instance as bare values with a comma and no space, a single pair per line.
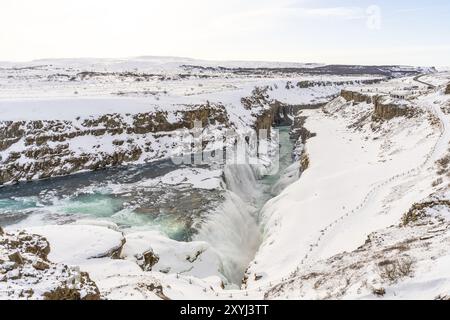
74,244
338,200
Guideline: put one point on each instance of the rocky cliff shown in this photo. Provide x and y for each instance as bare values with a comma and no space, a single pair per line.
298,130
385,107
268,111
356,96
282,114
447,90
40,149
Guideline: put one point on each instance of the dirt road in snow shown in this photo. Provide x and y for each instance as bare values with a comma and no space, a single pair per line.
417,79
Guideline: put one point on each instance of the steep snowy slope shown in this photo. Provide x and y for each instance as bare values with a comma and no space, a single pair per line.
364,176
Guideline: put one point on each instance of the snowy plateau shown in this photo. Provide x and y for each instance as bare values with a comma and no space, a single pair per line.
352,201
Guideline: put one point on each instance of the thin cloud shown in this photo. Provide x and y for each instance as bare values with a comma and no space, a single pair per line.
263,18
336,12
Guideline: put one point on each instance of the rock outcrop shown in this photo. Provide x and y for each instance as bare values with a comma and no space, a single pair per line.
282,114
147,260
275,113
26,273
385,107
269,112
356,96
447,90
298,130
419,210
264,121
262,108
304,162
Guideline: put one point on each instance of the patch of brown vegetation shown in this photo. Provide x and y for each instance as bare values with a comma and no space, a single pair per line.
418,210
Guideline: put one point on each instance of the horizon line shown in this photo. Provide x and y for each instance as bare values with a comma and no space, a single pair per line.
210,60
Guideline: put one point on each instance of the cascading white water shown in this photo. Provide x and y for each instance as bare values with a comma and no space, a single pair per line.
242,179
233,229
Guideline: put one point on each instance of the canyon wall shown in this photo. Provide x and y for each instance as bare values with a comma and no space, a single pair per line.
38,149
356,96
385,107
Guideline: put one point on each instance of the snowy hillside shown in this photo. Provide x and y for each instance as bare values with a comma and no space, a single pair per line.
359,207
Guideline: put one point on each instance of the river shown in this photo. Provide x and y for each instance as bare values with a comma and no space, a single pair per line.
224,213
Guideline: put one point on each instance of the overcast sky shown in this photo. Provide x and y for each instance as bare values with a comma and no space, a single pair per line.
365,32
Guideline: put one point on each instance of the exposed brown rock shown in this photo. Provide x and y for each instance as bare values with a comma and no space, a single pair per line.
10,133
118,142
147,260
418,210
68,291
312,83
447,90
280,113
156,289
40,265
114,253
299,131
356,96
385,108
388,110
304,162
379,292
28,273
264,121
258,97
16,258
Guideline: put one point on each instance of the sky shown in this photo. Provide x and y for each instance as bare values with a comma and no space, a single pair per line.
325,31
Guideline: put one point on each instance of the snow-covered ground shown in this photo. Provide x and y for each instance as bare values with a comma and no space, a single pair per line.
66,89
125,111
362,176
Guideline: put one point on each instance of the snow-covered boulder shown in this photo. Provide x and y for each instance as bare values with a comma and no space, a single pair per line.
154,251
26,272
74,244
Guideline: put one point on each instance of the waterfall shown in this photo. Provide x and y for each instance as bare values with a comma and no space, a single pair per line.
232,230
